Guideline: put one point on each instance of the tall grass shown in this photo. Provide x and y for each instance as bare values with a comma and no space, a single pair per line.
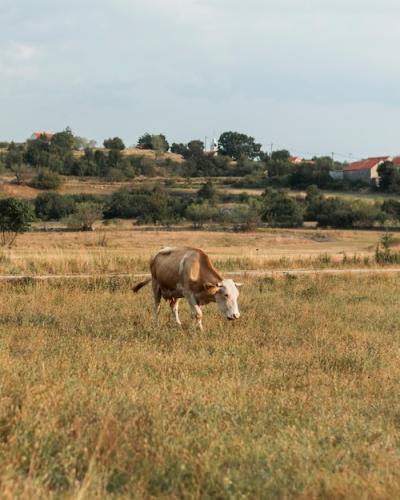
97,262
297,399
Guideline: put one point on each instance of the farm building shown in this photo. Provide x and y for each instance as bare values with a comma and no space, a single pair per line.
365,170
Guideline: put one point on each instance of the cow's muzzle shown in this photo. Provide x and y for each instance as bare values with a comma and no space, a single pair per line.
233,317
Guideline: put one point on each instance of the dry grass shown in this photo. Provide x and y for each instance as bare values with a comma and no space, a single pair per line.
297,400
122,249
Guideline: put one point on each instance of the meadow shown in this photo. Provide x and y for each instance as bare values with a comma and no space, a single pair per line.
298,399
123,248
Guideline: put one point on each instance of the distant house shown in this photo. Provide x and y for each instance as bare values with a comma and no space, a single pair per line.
365,170
36,135
295,159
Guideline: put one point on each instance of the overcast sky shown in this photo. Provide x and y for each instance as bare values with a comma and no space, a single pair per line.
313,76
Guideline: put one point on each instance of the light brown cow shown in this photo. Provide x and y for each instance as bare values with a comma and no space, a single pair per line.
188,272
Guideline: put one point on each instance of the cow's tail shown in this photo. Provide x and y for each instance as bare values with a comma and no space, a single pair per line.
140,285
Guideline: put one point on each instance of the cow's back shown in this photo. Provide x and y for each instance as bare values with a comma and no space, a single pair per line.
165,265
181,268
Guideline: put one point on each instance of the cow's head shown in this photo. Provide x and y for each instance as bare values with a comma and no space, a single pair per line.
226,295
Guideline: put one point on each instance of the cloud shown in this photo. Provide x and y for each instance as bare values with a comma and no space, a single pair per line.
188,66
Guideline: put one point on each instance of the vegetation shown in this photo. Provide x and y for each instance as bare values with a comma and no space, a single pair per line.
280,210
235,145
86,213
116,143
47,179
16,217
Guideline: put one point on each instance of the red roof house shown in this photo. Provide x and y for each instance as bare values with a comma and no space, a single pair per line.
365,170
37,135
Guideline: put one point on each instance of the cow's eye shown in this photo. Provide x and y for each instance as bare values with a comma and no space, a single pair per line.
226,295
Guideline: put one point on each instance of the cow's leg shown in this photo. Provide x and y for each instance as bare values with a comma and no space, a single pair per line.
174,304
157,299
197,313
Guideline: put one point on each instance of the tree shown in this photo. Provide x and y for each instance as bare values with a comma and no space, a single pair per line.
145,141
389,177
14,155
83,143
37,151
159,143
280,210
16,217
314,199
195,149
114,144
179,148
85,215
280,155
155,142
62,143
235,145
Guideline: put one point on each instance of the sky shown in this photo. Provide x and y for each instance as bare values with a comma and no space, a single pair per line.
313,76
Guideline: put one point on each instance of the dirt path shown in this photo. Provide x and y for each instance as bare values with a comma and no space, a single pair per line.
251,273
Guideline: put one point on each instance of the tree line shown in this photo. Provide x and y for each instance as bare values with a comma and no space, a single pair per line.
159,205
41,161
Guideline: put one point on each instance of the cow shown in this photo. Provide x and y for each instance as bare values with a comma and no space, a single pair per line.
184,272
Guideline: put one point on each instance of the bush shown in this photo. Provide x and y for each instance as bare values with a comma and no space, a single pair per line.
243,218
115,144
383,253
85,215
200,213
280,210
46,179
53,206
338,213
151,205
16,217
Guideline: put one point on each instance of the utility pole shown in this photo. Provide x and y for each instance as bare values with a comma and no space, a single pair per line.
205,143
272,145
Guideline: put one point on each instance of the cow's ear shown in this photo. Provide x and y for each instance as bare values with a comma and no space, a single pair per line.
211,288
238,285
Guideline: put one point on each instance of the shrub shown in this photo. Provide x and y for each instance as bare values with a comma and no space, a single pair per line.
114,143
200,213
46,179
335,212
53,206
280,210
86,214
16,217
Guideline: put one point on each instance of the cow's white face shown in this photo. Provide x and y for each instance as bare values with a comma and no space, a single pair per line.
227,298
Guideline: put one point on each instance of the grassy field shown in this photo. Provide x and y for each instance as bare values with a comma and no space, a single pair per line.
122,249
299,399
